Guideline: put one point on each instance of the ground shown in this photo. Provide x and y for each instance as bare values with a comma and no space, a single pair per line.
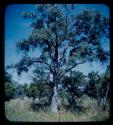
19,110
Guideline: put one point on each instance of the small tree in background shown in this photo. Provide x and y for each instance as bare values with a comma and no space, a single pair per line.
10,88
65,41
99,87
70,88
105,89
39,89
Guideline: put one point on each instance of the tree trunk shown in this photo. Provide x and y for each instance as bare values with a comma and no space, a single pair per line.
54,102
106,100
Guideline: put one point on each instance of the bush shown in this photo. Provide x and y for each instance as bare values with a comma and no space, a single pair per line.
9,91
40,104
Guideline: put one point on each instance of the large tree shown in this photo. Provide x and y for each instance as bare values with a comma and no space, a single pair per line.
65,40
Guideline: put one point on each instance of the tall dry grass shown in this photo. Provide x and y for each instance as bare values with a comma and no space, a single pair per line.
20,110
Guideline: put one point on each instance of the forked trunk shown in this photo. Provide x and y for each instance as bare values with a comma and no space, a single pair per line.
54,102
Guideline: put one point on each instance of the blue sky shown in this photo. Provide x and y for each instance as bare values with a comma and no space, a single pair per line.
17,28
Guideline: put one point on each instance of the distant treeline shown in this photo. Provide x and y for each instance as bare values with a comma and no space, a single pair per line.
76,84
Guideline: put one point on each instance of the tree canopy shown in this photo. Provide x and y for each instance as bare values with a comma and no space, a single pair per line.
65,41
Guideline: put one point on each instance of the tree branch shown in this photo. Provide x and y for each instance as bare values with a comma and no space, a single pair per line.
41,62
38,61
65,49
72,68
69,30
25,63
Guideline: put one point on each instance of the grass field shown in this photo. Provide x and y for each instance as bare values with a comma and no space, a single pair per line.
19,110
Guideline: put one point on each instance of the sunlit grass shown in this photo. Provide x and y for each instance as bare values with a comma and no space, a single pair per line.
19,110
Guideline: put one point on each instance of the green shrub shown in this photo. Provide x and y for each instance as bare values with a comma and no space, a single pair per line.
9,91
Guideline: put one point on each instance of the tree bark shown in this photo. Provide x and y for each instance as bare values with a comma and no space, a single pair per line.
54,101
106,100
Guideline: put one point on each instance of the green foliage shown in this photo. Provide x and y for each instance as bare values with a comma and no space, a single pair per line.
102,83
9,91
8,77
65,41
83,33
9,86
100,88
73,81
39,89
70,91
